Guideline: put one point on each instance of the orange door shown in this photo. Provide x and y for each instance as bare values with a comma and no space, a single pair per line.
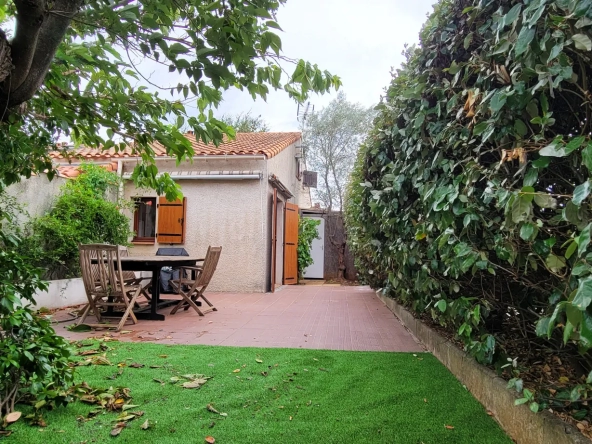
291,244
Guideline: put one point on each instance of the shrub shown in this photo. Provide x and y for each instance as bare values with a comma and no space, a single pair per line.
34,361
307,232
470,200
83,214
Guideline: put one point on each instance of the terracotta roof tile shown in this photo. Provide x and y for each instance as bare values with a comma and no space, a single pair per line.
268,144
72,171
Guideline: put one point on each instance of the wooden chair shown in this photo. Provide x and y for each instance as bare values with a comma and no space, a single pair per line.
193,287
105,285
130,278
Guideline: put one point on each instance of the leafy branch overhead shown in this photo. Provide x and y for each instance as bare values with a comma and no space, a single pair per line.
470,201
81,70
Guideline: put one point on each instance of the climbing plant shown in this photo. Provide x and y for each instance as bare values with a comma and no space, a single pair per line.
86,211
470,200
307,232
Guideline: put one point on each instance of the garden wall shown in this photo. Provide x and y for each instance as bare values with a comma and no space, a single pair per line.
62,293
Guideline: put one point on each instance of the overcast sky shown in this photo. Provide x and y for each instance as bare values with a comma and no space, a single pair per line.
358,40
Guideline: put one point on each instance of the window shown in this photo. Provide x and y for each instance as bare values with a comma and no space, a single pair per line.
145,219
170,228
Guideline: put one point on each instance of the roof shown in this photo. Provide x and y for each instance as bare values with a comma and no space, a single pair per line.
267,144
72,171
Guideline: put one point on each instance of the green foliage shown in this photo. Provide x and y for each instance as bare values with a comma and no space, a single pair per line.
83,213
34,361
470,200
246,123
307,232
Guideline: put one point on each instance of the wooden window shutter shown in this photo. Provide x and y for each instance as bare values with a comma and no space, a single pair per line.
171,221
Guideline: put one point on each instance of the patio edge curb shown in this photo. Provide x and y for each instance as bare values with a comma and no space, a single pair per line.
522,425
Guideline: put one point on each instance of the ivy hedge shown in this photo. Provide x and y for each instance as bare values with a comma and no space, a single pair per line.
470,199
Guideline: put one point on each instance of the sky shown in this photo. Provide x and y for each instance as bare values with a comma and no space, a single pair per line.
358,40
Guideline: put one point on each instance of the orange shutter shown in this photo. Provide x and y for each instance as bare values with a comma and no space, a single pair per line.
291,244
171,221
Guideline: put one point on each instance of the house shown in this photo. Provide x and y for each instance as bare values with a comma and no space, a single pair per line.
244,195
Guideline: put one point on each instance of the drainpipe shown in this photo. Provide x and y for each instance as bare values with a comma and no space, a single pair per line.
120,174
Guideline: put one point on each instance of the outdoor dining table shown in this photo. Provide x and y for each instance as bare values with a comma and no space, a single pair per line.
155,264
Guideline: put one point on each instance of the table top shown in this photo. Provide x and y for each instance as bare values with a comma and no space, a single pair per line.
161,259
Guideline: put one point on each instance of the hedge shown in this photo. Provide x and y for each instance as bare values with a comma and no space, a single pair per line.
469,202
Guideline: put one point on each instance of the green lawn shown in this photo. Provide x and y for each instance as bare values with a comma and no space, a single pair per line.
308,396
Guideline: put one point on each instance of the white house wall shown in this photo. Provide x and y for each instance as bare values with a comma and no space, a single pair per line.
230,213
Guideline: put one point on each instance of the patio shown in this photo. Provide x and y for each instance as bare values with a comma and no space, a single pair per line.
297,316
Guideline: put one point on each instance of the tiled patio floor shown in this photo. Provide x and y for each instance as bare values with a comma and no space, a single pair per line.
298,316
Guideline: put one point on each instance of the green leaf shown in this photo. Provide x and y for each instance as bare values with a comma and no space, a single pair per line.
498,101
555,149
574,144
534,406
521,208
530,178
583,295
512,15
582,41
587,156
555,263
520,128
542,326
545,201
479,128
580,193
527,230
441,305
571,249
524,38
584,240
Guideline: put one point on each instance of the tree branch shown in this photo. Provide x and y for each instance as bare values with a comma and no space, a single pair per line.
29,20
50,35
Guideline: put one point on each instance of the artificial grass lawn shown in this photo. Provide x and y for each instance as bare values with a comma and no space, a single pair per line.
308,396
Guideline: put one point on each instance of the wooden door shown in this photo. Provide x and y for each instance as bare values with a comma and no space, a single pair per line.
291,244
171,221
273,238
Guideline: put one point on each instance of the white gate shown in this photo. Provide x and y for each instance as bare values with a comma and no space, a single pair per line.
317,269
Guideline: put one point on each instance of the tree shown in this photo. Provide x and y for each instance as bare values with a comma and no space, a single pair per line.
246,123
77,69
332,138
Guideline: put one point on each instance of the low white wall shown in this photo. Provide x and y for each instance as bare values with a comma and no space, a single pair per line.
62,293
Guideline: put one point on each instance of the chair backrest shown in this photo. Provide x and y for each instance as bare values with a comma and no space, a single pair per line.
105,275
209,266
124,252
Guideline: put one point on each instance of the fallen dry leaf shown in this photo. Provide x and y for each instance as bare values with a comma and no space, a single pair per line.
125,332
211,408
163,356
210,439
136,365
236,371
117,430
156,366
12,417
145,425
449,427
260,361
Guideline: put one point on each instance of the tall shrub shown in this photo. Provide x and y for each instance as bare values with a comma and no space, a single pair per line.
470,200
83,213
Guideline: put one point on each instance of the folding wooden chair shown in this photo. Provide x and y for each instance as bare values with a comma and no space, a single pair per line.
130,278
105,286
192,288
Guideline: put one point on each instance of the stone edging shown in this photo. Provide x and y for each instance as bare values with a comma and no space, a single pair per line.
522,425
